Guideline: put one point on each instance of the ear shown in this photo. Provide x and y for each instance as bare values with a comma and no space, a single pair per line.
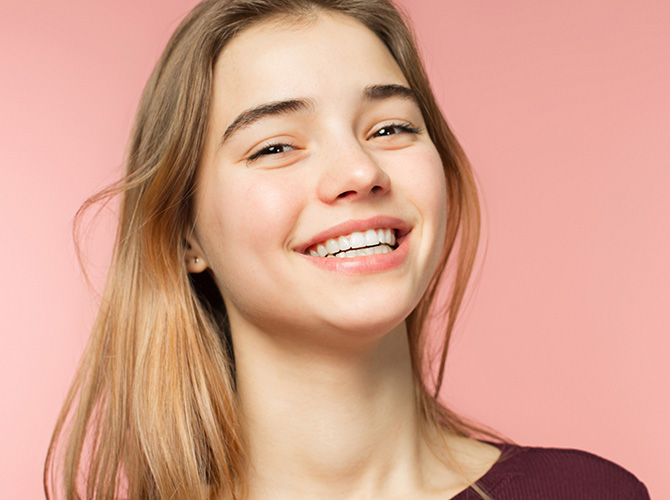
194,258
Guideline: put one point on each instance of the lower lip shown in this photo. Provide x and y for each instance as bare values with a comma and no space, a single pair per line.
366,264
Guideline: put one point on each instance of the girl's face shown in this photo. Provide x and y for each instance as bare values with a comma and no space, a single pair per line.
316,145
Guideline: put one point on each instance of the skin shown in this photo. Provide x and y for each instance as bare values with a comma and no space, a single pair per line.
323,363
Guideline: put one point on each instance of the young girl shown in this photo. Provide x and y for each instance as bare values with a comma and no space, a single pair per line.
295,212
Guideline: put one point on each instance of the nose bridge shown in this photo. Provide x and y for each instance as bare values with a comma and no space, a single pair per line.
349,170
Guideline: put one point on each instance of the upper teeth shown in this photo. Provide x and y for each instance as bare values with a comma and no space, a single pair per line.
349,245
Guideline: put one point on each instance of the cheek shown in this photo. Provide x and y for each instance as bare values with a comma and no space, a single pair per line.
424,177
243,217
436,185
262,208
435,196
439,199
426,187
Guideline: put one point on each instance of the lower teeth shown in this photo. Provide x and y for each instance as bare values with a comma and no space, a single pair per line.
383,248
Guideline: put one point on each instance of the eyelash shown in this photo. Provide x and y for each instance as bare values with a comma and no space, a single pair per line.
266,149
405,127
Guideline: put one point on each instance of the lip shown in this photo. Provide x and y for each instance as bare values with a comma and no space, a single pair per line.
368,264
380,221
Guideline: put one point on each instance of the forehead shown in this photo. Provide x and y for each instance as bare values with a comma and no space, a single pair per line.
324,58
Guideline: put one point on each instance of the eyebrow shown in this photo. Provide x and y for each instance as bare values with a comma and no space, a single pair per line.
379,92
275,108
246,118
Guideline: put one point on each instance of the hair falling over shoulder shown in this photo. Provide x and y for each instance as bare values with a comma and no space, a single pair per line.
152,412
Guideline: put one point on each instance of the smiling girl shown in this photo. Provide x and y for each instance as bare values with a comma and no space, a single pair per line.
292,201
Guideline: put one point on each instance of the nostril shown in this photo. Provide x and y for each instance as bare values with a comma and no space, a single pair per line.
373,190
346,194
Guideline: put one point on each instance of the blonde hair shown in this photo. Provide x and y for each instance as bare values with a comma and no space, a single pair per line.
152,412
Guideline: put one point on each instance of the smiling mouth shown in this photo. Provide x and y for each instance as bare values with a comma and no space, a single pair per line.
356,244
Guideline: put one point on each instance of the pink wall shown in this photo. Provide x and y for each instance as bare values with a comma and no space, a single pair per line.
564,109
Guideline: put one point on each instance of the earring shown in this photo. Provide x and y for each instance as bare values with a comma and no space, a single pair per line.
195,260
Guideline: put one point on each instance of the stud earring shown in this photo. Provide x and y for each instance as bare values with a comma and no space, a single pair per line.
195,260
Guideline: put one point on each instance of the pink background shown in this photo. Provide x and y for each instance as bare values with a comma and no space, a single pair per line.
563,108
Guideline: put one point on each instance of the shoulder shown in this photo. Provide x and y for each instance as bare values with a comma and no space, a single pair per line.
553,473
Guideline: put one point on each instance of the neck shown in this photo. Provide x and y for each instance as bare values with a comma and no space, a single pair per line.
331,425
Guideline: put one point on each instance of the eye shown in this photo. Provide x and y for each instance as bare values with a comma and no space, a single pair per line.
271,149
394,129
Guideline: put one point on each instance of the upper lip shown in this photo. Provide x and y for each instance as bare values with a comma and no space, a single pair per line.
380,221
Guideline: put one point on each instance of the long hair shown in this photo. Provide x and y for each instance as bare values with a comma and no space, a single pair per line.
152,412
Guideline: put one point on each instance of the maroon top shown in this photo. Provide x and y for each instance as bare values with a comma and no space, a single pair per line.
523,473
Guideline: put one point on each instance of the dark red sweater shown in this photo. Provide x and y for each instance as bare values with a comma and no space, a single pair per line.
524,473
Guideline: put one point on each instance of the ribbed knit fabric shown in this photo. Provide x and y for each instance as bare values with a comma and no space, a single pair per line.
524,473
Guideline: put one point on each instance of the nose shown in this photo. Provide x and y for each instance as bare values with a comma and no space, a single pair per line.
351,173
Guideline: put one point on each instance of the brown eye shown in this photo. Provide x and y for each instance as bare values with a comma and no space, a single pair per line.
395,128
272,149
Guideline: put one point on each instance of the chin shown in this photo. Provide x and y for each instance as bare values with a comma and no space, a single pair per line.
372,323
